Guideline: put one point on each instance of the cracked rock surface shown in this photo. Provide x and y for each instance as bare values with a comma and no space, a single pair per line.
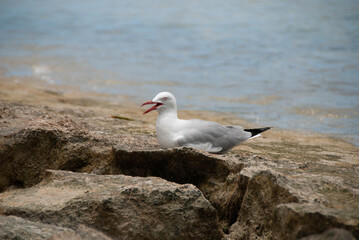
69,170
120,206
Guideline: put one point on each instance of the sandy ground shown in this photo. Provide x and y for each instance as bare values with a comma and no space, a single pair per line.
277,144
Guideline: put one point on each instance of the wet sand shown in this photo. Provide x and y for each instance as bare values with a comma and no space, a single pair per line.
277,144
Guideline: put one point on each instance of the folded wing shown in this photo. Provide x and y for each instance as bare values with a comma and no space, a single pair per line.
211,136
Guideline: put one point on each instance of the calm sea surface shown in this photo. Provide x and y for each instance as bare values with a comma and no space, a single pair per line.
282,63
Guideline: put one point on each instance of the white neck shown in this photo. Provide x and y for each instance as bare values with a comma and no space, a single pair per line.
167,127
168,113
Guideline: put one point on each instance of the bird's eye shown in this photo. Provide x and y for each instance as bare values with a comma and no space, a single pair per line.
164,99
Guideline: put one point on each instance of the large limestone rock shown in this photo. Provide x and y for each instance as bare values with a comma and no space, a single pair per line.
33,140
12,227
16,228
123,207
331,234
210,173
295,220
254,197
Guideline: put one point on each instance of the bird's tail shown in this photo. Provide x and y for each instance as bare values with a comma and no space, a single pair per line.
256,131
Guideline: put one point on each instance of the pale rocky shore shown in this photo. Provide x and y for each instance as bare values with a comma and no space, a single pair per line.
70,170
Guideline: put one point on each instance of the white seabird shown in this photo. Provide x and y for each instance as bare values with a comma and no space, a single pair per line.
204,135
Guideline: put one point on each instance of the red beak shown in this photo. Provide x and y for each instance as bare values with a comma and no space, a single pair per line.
153,107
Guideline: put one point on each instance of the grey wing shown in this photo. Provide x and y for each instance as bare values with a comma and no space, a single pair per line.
211,136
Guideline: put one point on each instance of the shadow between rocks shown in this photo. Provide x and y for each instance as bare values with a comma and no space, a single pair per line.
180,165
217,177
246,193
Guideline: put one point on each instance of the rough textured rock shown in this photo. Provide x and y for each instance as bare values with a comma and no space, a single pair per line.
252,197
331,234
82,233
264,191
12,228
298,191
299,220
121,206
210,173
33,140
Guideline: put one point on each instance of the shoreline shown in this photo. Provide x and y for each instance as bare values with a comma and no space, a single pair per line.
277,143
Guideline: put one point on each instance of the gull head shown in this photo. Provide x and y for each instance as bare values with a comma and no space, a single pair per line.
164,101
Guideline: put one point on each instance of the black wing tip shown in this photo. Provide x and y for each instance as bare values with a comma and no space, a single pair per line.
256,131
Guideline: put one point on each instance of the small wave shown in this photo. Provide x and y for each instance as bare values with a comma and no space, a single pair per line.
258,100
333,113
43,72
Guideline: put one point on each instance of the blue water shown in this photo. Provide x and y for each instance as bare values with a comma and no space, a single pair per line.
288,64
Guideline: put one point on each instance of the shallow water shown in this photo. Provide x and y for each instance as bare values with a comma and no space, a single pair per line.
289,64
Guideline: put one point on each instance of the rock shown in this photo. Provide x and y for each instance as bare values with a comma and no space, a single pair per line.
298,220
254,197
36,140
82,233
332,234
181,165
33,140
248,193
210,173
265,190
12,227
123,207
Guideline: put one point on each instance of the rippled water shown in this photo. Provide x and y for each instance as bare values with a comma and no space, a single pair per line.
290,64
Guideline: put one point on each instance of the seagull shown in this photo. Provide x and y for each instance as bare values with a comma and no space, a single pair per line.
203,135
